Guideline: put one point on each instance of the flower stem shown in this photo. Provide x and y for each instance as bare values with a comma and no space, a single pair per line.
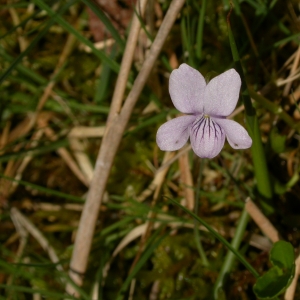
259,159
201,251
230,257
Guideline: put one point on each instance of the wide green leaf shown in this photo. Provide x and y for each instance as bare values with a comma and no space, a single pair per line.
279,277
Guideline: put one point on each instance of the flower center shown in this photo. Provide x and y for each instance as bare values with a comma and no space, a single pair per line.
204,126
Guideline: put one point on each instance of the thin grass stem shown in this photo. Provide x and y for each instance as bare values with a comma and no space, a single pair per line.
200,30
199,245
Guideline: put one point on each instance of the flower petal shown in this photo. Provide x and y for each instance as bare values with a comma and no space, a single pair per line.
237,136
186,87
207,137
173,134
222,93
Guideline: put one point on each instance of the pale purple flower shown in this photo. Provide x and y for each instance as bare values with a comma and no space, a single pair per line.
206,106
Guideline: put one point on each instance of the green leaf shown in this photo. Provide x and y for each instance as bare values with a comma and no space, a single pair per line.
279,277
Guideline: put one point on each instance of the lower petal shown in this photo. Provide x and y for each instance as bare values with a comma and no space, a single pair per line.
207,137
173,134
237,136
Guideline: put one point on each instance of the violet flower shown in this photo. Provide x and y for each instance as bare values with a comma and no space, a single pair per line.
206,106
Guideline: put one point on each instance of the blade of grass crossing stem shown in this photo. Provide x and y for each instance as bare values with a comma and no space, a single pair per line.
220,238
90,108
154,243
200,30
34,41
104,19
259,158
230,257
39,150
100,54
116,226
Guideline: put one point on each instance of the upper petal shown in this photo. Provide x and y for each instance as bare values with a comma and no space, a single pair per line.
236,134
207,137
173,134
186,87
222,93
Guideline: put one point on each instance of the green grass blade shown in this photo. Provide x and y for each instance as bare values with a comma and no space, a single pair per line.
274,108
199,43
104,80
100,54
39,150
44,190
27,72
20,25
44,293
143,25
34,42
144,258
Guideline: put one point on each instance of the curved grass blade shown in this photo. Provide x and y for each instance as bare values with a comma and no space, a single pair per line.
219,237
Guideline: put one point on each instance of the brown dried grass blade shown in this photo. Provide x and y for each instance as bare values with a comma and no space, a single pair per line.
187,181
34,231
108,150
262,221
